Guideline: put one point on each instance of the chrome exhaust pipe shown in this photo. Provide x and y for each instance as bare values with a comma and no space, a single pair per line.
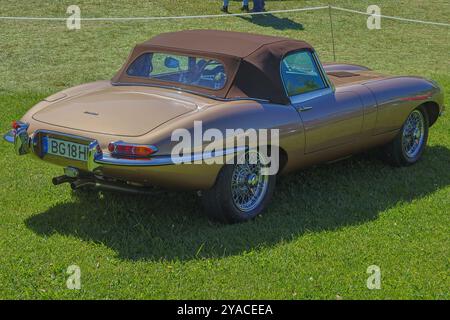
61,179
80,183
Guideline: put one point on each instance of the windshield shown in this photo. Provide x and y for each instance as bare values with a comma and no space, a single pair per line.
187,70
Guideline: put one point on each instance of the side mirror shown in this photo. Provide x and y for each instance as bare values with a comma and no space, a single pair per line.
172,63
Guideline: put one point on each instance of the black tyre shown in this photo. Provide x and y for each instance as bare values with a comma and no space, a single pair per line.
241,191
407,148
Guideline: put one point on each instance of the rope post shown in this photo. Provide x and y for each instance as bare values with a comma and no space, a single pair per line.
332,32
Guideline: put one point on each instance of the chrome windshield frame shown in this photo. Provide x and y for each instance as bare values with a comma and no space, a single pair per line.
302,97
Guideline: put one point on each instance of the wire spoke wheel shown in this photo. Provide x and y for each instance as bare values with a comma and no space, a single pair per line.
248,184
413,134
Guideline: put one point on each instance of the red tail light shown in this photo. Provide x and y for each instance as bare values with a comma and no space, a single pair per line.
15,125
126,150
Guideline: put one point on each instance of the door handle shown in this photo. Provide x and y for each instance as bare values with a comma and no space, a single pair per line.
303,108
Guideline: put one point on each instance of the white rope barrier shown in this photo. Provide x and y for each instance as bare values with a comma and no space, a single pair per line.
226,15
170,17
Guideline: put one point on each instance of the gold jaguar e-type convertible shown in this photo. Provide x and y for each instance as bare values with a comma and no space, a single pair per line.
119,134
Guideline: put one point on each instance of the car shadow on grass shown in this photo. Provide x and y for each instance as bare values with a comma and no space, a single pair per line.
171,225
272,21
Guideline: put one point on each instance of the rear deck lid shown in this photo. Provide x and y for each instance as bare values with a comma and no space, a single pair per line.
117,111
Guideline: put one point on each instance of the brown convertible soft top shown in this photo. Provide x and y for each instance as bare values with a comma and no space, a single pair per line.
251,61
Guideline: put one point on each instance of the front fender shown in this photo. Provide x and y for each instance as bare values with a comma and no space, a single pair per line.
398,96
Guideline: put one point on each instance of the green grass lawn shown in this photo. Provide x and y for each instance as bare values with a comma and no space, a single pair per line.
325,226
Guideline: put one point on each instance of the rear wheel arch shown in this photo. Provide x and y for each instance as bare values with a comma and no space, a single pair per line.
283,159
432,109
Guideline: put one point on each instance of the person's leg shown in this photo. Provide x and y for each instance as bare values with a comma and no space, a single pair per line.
245,6
225,5
257,6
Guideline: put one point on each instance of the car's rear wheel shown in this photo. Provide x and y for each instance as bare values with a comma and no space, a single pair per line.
407,148
242,190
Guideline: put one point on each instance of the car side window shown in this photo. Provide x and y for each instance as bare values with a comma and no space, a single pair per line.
300,73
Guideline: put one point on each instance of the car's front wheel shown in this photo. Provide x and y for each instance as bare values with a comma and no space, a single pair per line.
407,148
242,190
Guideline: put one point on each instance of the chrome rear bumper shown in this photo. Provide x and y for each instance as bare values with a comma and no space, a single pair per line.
9,136
162,171
29,144
25,144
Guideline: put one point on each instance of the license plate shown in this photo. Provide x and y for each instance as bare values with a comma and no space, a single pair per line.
67,149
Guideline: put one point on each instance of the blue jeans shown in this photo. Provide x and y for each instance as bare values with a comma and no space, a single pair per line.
258,5
225,3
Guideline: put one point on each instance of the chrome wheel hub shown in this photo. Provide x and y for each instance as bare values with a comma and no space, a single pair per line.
248,184
252,180
413,134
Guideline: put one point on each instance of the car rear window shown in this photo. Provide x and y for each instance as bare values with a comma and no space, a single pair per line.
186,70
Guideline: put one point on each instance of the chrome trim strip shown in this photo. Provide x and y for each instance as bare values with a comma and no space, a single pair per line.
310,95
139,84
25,144
107,159
9,136
323,73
